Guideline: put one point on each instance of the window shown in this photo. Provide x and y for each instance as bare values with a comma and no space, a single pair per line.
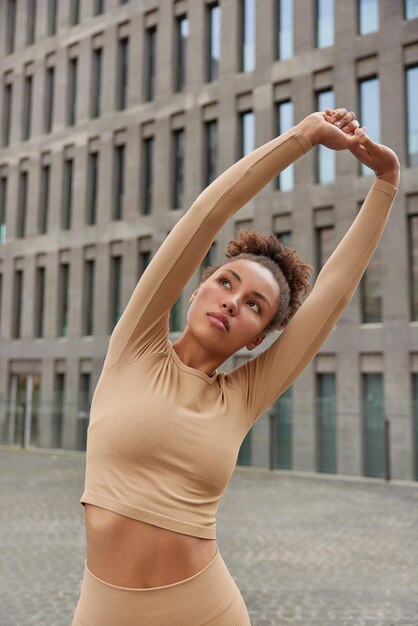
324,157
98,7
11,26
285,237
413,265
370,112
282,410
39,301
415,421
96,83
182,28
371,293
75,12
44,199
412,114
150,62
52,17
59,410
148,151
49,99
175,316
247,133
72,92
247,35
30,22
368,16
122,88
411,9
27,108
178,168
67,194
325,245
326,422
115,291
119,187
63,299
373,425
214,42
7,113
17,304
210,257
144,259
3,205
22,204
284,21
1,300
88,308
285,180
211,151
324,23
92,187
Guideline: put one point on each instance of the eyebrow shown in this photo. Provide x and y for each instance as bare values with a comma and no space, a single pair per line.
255,293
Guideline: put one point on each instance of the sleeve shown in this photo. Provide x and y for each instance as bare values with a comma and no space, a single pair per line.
143,326
263,379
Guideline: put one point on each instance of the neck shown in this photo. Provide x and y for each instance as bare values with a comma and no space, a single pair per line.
194,355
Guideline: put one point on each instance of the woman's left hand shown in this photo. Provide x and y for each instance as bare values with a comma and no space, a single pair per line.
319,128
343,119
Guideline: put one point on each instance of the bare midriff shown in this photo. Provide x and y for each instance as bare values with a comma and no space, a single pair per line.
129,553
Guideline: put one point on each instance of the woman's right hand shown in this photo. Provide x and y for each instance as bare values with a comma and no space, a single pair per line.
381,159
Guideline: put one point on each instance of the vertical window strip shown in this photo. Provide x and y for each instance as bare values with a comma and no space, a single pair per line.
96,82
325,158
284,12
368,16
3,206
284,112
44,199
150,63
369,108
49,99
119,184
324,23
248,16
214,41
412,115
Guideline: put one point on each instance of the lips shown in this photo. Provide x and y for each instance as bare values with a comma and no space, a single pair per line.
221,318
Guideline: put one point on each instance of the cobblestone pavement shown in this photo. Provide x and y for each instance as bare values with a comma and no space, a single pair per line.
304,549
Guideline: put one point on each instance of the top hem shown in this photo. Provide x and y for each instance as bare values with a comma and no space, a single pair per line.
142,515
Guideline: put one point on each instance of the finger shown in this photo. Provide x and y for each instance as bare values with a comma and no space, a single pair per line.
346,119
351,126
338,114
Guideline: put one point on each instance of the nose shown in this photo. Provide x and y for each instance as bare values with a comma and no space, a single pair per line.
230,306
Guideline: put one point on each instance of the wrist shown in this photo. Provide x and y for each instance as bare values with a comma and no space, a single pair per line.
391,177
310,125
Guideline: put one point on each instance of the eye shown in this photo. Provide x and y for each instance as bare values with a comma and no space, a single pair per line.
258,310
224,280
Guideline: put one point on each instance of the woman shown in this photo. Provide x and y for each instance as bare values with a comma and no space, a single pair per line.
166,426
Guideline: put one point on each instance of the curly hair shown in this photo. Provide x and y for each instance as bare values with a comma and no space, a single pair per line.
289,270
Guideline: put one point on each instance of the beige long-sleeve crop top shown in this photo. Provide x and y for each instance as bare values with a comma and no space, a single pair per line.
164,437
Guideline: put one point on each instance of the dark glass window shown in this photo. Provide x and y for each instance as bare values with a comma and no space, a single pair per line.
92,187
247,134
326,409
44,199
27,108
119,187
178,168
31,21
211,151
182,38
59,410
96,84
413,265
3,200
122,88
369,109
17,304
214,42
175,316
11,26
72,91
88,297
49,99
98,7
150,62
148,150
115,291
411,9
22,204
67,194
39,301
371,293
325,244
75,12
63,299
373,425
52,17
7,113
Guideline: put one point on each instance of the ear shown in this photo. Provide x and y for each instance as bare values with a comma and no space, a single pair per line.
193,296
256,342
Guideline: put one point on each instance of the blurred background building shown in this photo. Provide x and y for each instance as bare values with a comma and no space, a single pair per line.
116,115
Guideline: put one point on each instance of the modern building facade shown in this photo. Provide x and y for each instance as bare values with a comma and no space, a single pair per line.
116,115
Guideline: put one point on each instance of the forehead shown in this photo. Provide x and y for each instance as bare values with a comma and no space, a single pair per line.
252,274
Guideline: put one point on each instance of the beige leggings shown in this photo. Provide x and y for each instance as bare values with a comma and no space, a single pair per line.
208,598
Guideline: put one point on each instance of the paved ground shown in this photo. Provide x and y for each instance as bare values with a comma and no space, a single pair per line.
304,550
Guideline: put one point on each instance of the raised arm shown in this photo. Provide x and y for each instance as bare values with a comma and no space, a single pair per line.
143,325
266,377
